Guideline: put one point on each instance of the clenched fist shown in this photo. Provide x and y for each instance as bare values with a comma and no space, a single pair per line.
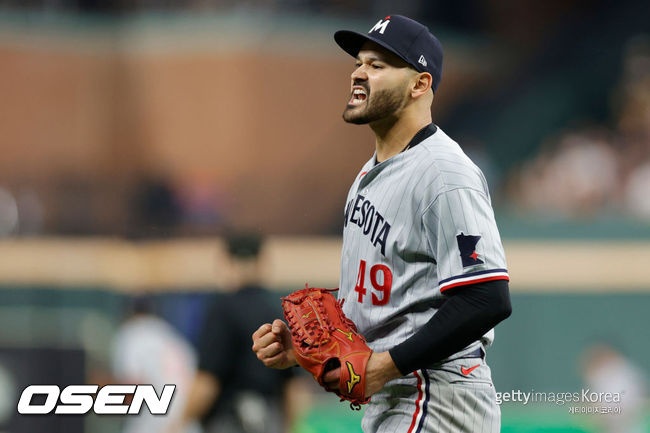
272,345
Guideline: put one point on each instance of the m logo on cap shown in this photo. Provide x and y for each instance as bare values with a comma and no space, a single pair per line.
381,26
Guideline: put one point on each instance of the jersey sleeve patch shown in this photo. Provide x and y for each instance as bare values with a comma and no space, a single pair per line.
473,277
467,247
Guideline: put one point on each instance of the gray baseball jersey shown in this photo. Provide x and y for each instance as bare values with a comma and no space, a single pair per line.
416,225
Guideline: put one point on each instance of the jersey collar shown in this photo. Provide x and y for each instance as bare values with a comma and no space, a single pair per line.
421,135
418,138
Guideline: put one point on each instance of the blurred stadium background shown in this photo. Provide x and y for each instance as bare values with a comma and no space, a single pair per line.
134,134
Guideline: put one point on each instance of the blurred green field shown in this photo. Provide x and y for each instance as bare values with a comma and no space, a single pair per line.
338,418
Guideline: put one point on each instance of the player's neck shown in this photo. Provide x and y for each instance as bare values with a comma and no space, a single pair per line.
393,134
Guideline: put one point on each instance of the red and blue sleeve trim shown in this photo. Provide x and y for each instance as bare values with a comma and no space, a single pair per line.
473,277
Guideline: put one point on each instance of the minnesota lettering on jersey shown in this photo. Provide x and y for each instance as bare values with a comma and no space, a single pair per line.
363,213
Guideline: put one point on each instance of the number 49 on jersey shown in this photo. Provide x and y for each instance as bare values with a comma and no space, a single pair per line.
381,290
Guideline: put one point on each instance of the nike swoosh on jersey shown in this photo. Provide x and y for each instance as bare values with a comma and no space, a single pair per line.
467,371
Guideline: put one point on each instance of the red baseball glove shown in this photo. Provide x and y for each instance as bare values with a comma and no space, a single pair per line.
323,339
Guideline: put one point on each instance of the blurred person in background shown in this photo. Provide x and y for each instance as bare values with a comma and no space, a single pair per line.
148,350
634,126
233,391
155,208
607,370
587,171
577,177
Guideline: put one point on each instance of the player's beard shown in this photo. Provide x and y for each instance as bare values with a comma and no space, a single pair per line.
380,104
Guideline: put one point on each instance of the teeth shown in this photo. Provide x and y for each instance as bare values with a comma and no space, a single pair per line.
358,96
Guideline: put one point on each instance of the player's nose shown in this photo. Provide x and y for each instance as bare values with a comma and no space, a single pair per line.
359,74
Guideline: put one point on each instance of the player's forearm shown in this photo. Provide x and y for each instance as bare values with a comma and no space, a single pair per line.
205,390
463,318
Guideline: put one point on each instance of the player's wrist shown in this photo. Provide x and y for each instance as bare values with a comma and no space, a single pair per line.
291,357
380,370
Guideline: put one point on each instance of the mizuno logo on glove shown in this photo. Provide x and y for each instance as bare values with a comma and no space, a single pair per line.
354,378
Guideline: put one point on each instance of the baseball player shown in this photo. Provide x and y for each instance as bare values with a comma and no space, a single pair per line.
423,272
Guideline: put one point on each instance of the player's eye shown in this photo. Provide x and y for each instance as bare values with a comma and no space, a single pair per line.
377,66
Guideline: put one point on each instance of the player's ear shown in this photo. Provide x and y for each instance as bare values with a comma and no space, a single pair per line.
421,84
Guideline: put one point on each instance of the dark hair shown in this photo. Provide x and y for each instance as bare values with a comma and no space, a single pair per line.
244,245
140,304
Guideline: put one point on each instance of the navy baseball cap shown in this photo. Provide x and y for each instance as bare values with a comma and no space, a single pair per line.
408,39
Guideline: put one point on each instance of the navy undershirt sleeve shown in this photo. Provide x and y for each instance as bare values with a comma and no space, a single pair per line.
468,313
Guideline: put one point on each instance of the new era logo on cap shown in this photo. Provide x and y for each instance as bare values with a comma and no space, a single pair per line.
408,39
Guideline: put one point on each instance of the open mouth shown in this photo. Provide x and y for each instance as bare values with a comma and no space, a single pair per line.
358,97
